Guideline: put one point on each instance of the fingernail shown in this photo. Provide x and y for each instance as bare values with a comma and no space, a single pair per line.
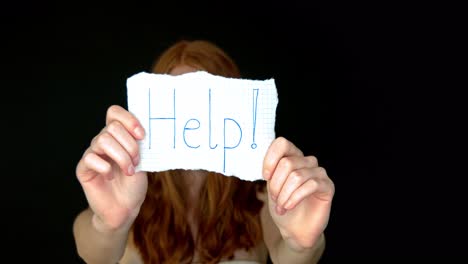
110,177
273,197
280,210
139,132
131,170
136,160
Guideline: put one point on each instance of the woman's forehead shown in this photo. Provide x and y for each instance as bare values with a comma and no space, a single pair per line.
181,69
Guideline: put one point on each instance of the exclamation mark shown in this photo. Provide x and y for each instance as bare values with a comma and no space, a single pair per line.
254,108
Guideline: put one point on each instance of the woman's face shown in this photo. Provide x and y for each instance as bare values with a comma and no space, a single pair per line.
181,69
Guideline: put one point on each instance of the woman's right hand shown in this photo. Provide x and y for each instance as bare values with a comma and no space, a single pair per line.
107,172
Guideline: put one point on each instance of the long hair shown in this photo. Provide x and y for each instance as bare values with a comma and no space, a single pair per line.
227,215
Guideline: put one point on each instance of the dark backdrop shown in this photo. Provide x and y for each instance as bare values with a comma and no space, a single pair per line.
356,89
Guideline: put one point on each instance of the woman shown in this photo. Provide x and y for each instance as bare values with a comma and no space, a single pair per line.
181,216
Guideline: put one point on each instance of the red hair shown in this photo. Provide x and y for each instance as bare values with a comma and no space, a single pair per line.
228,210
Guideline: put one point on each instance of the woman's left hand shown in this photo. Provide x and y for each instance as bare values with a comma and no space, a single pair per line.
300,193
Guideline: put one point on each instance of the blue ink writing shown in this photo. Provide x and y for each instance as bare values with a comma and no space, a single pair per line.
231,138
224,138
162,118
209,120
191,128
254,108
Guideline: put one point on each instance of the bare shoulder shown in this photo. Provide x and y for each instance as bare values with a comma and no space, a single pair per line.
131,254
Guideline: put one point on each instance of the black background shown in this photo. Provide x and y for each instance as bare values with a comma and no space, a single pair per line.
365,87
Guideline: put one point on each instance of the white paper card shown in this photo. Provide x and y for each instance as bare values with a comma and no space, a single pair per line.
202,121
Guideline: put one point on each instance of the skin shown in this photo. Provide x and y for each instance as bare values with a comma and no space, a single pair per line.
298,200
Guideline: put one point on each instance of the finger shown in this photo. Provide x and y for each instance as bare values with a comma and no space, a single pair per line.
90,166
118,131
312,161
106,144
293,182
321,189
127,119
285,167
278,149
